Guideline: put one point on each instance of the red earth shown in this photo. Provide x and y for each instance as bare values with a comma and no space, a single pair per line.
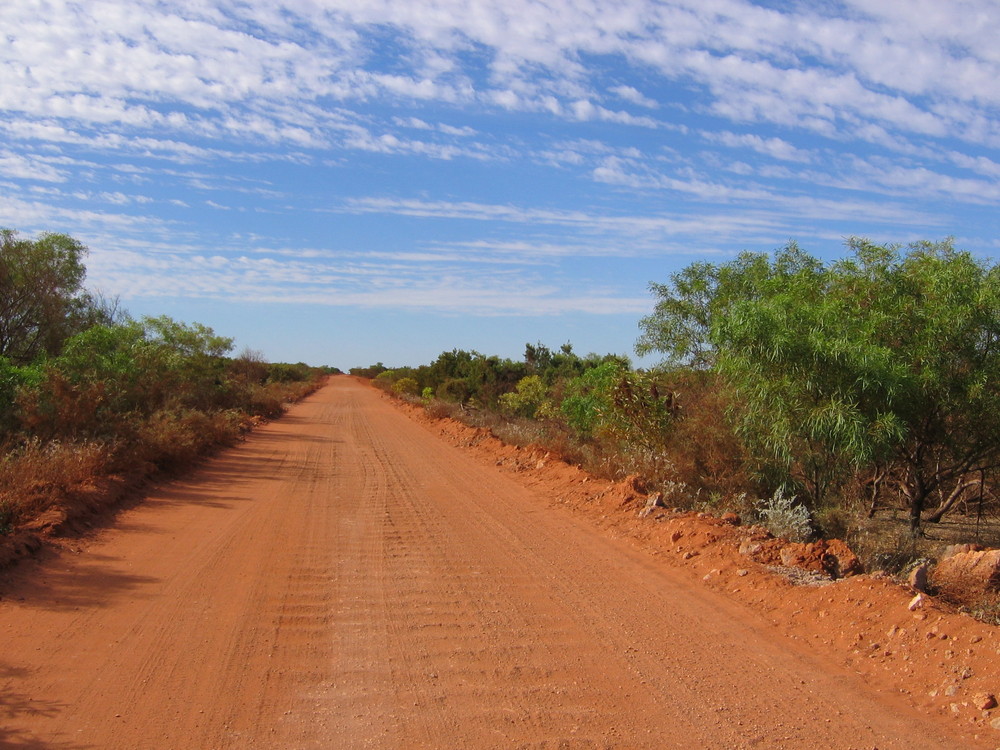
358,575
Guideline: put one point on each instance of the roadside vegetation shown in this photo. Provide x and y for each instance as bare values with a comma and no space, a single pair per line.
87,392
856,399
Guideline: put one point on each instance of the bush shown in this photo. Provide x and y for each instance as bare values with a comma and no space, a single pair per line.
588,403
879,362
406,387
785,518
454,390
281,372
8,516
174,439
527,398
266,402
385,380
39,474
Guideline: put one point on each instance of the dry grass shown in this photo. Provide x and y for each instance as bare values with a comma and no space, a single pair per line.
41,474
37,476
172,440
985,607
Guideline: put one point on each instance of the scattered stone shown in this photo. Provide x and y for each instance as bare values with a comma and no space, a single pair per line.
653,502
801,577
676,535
742,572
917,578
690,553
916,602
841,561
749,547
984,701
731,518
995,724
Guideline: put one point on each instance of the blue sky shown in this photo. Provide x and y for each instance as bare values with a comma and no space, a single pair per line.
350,182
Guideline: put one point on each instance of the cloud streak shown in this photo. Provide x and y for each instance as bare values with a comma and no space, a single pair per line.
487,157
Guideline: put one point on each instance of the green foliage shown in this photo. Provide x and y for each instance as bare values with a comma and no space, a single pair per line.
406,387
615,402
385,380
42,300
527,398
461,376
454,390
85,391
129,369
12,380
643,410
882,362
282,372
369,372
680,326
588,403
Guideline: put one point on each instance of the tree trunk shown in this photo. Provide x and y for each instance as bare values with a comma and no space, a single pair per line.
949,502
918,498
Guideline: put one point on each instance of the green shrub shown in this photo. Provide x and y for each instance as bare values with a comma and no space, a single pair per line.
527,398
406,387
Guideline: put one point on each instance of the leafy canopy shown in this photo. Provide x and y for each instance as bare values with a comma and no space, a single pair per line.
41,293
885,358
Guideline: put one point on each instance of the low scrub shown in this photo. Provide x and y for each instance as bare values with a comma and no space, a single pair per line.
173,440
784,517
37,476
86,391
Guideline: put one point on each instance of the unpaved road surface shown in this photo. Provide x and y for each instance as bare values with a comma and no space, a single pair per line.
345,579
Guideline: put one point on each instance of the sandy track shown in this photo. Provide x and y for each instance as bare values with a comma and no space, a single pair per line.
345,579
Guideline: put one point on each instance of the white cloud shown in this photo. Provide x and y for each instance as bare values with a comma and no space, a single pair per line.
19,166
145,64
773,147
127,105
633,95
406,283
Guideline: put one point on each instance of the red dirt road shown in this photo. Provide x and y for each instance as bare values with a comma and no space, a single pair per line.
346,579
